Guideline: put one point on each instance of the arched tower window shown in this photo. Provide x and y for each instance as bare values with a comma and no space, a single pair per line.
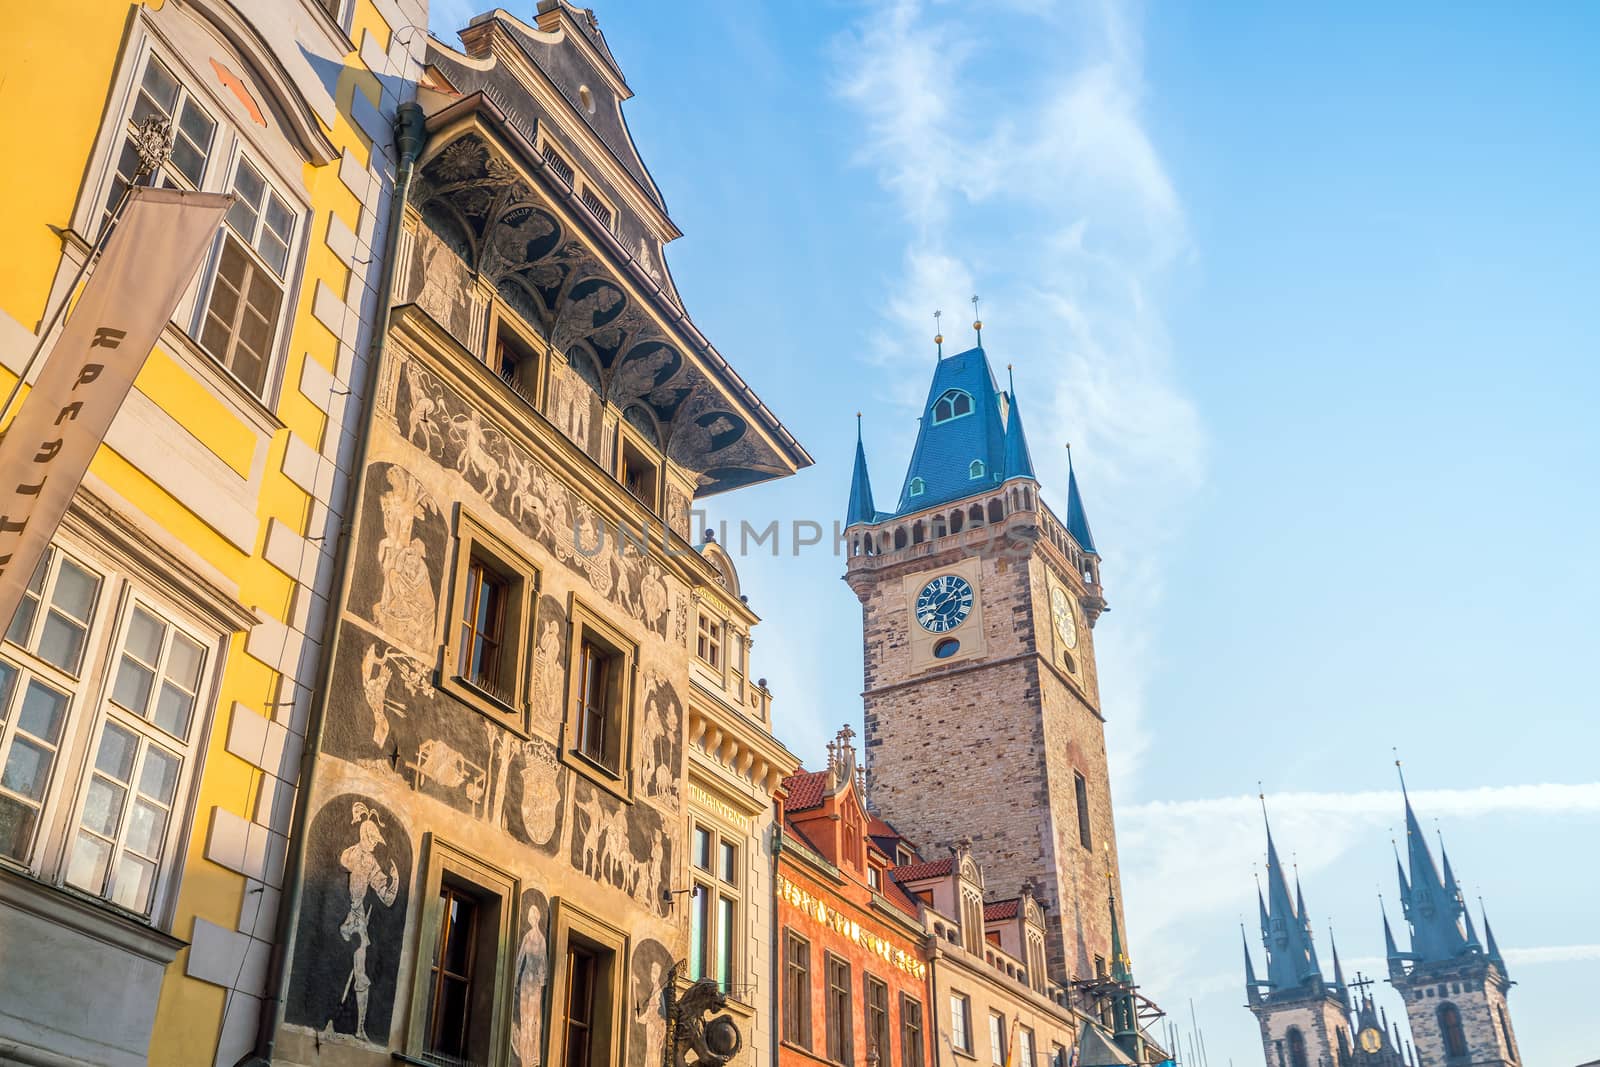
1297,1048
952,405
1455,1038
918,487
976,469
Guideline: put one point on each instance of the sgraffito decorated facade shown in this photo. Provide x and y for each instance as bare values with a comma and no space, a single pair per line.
500,847
154,685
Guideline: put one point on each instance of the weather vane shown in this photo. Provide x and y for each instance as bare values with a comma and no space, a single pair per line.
938,334
977,323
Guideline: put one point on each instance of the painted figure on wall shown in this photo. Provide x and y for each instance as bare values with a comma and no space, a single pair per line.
406,606
352,922
647,1008
626,848
659,729
540,802
378,670
532,971
367,877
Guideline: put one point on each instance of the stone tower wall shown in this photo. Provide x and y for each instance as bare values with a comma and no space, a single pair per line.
1479,994
1319,1019
987,748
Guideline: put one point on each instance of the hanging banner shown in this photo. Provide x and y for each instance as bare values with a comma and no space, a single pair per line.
147,263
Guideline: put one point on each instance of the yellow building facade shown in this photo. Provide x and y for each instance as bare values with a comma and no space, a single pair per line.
155,684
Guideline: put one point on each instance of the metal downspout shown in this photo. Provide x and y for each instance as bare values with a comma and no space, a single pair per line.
410,135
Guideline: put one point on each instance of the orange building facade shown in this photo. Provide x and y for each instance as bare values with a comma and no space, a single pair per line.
852,983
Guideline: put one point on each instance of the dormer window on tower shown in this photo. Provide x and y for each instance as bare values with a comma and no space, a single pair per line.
952,405
918,487
976,469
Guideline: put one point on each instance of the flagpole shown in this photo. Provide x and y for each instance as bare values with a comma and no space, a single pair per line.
153,142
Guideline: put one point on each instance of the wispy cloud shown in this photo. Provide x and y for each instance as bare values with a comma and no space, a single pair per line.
1011,139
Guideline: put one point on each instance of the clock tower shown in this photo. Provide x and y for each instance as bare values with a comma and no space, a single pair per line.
982,708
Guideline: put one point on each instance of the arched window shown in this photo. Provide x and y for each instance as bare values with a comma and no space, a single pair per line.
952,405
1297,1048
996,512
918,487
976,469
1455,1038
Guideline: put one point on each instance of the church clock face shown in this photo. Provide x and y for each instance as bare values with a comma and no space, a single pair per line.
1371,1040
1061,612
944,603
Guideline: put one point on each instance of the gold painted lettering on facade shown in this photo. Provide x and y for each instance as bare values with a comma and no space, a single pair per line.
720,807
820,911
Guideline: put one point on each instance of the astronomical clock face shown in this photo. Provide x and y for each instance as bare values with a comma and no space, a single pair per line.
1371,1040
1061,612
944,603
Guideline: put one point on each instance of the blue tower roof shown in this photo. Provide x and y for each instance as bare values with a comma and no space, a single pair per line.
1077,518
860,508
1430,901
1018,463
1286,930
961,442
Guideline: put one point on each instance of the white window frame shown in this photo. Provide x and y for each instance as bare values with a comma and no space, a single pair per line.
88,710
229,143
710,886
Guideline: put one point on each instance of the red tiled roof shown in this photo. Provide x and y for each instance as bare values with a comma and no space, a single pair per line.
896,895
1002,909
931,869
805,789
876,827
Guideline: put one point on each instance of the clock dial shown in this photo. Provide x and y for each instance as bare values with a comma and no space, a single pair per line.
1061,611
944,603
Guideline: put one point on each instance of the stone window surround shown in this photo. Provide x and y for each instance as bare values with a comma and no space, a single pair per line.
587,623
128,559
230,142
474,539
442,860
566,922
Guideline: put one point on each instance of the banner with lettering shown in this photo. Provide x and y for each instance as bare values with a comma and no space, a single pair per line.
147,263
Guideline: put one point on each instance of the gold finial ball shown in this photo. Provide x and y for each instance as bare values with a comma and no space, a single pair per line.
978,324
938,338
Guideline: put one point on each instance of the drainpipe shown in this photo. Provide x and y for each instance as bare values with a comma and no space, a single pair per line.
410,135
776,975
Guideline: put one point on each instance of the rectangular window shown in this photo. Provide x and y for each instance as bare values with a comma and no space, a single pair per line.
1081,786
598,730
797,990
485,656
557,163
840,1019
515,361
588,993
638,472
126,802
997,1039
1058,1055
911,1052
877,998
709,643
483,626
579,1011
161,96
451,975
961,1022
714,910
598,207
462,971
875,877
1024,1048
241,320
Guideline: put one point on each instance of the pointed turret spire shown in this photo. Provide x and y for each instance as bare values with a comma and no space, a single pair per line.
1430,901
1018,463
1252,988
1490,947
861,508
1124,1014
1291,959
1077,518
1338,970
1396,961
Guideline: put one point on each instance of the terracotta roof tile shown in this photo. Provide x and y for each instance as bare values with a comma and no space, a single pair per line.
806,790
1002,909
916,871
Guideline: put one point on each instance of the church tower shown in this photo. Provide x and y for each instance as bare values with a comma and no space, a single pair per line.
982,710
1305,1020
1454,986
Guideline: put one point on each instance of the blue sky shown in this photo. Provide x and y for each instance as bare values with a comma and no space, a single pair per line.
1307,292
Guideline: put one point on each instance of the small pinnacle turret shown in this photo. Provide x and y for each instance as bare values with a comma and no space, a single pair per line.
861,508
1077,517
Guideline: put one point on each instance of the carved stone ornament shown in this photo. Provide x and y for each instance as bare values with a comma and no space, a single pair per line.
711,1042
